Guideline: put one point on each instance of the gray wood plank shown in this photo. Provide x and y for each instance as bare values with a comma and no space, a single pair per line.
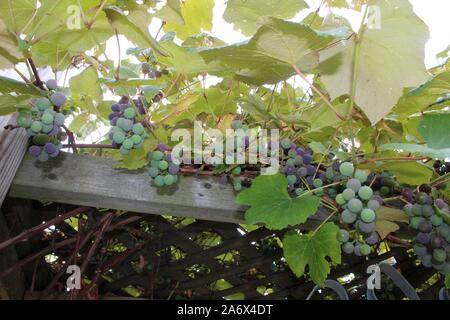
91,181
13,145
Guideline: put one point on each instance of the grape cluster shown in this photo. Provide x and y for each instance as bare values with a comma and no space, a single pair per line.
432,241
359,206
441,168
126,134
43,125
163,170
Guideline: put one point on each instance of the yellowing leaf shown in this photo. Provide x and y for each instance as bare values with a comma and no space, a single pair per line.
387,217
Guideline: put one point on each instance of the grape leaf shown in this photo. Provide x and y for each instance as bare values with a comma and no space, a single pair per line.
8,85
8,103
171,12
386,218
435,129
137,158
441,154
269,55
386,55
409,172
86,84
244,14
17,13
271,204
197,15
312,249
9,45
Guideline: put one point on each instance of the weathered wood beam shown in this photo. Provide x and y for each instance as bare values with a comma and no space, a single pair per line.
13,145
92,181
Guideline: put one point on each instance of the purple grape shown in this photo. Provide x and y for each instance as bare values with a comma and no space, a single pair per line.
173,168
423,237
124,100
437,241
34,151
307,158
372,239
440,203
54,131
116,107
311,169
378,198
113,115
50,148
59,119
55,154
366,227
425,226
168,157
302,172
336,166
300,152
289,170
310,180
408,194
114,121
162,147
58,99
51,84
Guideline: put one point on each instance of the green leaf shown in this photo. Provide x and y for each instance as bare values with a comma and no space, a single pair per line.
417,149
244,14
318,147
166,113
409,172
435,129
320,116
137,158
8,103
391,58
447,281
9,48
86,84
422,97
8,85
269,55
171,12
197,15
133,32
312,249
17,13
271,204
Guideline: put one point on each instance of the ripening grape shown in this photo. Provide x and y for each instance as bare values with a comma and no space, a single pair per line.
157,155
43,157
129,113
361,176
439,255
342,235
348,194
417,209
163,165
136,139
415,222
159,181
420,249
292,179
372,239
317,183
373,204
286,143
173,169
348,216
436,220
153,172
128,144
348,248
36,126
119,137
340,199
365,193
138,129
51,84
425,225
355,205
427,210
366,227
169,179
365,249
423,237
34,151
58,99
354,184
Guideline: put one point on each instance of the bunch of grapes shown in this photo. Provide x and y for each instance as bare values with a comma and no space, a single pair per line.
441,168
163,170
432,241
359,213
44,126
126,134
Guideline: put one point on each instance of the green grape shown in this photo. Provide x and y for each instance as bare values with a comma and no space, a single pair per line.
290,162
319,193
136,139
298,160
124,150
348,247
348,194
169,180
340,199
365,249
153,172
329,174
286,143
47,118
292,154
154,163
415,222
439,255
368,215
346,169
163,165
24,122
355,205
361,176
43,103
128,144
317,183
36,126
46,128
417,209
436,220
129,113
138,129
237,186
299,191
157,155
236,171
342,235
384,191
365,193
40,139
292,179
119,137
159,181
427,210
348,216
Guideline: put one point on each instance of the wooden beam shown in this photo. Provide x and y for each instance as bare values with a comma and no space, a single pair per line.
92,181
13,146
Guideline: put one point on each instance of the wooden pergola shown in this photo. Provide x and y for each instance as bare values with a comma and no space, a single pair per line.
85,181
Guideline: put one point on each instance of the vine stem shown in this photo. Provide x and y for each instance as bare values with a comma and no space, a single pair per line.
437,181
90,146
323,222
321,95
38,82
92,21
396,159
320,188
